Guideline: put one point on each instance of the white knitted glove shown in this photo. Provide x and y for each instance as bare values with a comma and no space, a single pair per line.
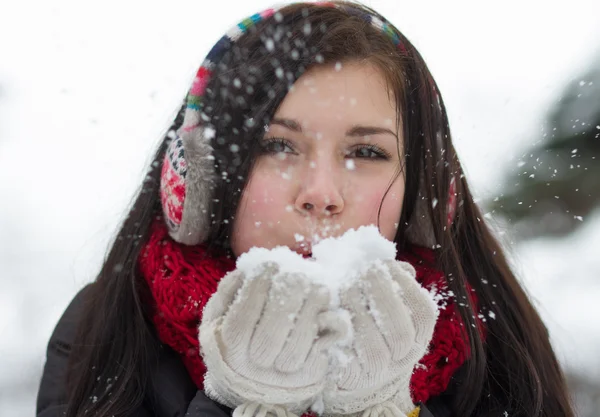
393,319
264,341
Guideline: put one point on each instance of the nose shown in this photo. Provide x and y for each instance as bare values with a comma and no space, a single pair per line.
319,194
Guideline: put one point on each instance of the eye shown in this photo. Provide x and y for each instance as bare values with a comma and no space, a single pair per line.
276,146
368,152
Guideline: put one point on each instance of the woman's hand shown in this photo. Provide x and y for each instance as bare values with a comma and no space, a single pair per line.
264,340
393,319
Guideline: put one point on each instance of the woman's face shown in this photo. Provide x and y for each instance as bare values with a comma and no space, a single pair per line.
328,158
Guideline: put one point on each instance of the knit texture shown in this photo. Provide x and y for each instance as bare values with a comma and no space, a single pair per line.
182,278
260,339
393,318
448,349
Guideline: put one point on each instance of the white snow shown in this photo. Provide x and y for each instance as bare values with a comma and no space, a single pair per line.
336,261
208,133
319,406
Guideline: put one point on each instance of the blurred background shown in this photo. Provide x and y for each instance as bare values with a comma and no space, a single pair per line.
86,89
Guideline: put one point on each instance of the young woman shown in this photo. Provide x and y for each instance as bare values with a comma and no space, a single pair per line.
304,123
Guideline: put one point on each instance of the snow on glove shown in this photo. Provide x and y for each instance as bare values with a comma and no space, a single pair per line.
264,341
393,319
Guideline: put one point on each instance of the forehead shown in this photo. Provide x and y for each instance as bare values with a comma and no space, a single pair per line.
339,95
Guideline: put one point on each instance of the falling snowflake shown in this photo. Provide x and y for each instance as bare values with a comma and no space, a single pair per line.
209,133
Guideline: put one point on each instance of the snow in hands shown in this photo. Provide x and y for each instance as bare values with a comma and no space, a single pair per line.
369,293
335,263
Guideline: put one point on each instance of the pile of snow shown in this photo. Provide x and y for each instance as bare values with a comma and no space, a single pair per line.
335,262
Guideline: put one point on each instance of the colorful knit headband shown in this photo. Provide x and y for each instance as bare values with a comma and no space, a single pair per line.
188,172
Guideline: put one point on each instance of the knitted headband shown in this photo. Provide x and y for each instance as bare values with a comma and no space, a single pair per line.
188,171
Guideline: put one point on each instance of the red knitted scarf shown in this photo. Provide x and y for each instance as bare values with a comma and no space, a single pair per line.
182,279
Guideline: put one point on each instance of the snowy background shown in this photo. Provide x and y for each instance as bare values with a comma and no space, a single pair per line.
86,90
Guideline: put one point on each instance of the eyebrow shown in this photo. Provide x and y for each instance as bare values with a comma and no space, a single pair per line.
355,131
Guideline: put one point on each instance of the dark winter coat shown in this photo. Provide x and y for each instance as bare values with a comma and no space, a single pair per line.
174,393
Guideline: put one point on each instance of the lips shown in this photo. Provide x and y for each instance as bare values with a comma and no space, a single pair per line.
304,249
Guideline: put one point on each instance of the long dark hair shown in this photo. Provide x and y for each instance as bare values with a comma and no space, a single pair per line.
515,370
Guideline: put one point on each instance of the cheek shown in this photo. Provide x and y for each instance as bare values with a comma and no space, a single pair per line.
368,201
262,206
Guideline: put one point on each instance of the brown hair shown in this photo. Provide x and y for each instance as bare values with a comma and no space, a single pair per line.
515,370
